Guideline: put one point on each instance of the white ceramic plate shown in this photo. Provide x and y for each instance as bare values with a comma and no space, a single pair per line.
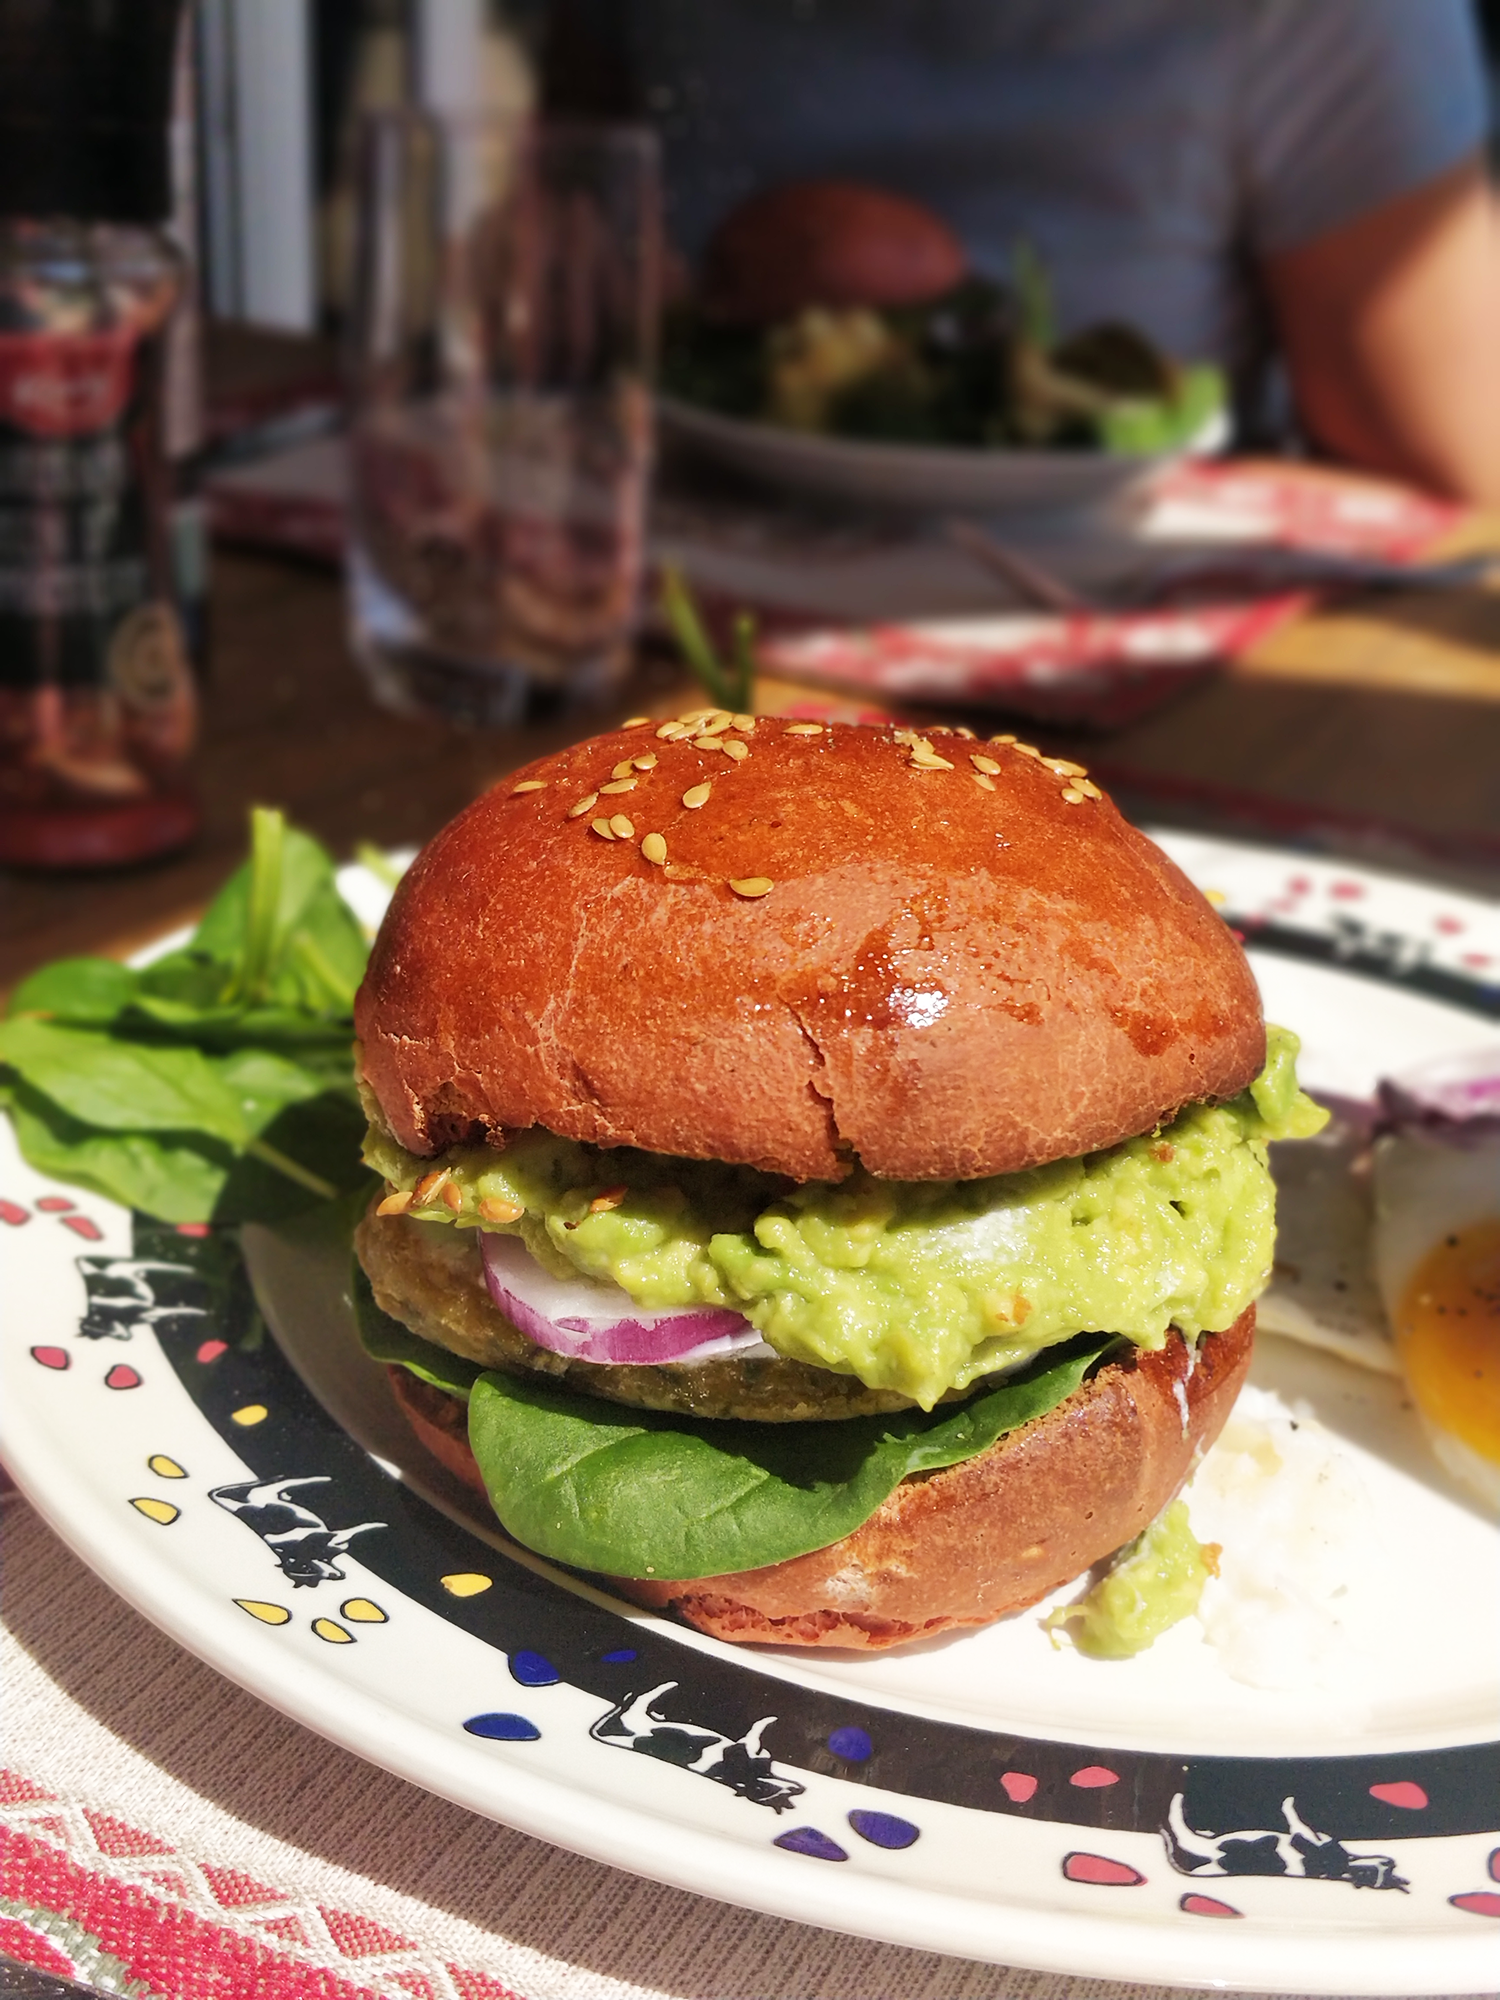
942,479
983,1795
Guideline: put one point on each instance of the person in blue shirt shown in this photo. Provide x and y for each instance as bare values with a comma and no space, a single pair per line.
1239,179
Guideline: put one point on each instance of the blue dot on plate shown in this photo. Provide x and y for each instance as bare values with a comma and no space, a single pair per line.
808,1840
503,1728
884,1829
621,1658
852,1744
534,1670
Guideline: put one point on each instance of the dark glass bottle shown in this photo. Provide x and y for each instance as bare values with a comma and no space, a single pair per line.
97,700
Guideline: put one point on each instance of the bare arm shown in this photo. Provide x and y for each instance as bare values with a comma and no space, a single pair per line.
1391,330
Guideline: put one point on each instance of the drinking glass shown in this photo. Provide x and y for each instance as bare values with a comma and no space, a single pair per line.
502,342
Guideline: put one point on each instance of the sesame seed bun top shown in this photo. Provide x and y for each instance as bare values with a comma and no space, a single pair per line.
788,945
826,243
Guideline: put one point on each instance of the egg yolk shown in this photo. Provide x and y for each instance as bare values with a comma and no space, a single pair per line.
1448,1337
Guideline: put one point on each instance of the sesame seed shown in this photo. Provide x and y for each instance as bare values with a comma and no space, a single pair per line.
611,1198
584,805
1063,768
694,718
602,828
1073,798
636,722
697,795
621,827
717,723
429,1184
804,729
735,750
1029,750
529,785
925,758
1089,789
745,722
751,886
494,1209
453,1196
981,778
396,1203
908,736
645,763
968,735
654,848
707,743
1007,738
986,764
620,785
623,769
670,731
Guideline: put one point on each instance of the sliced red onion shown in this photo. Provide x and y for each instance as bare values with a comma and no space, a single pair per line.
1455,1099
592,1321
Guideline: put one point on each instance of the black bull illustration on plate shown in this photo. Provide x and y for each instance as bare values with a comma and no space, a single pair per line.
1296,1850
302,1542
126,1292
736,1761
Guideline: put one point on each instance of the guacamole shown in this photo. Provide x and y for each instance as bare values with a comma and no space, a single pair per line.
913,1286
1153,1584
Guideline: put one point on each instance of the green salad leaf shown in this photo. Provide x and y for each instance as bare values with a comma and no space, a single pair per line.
634,1493
628,1492
215,1083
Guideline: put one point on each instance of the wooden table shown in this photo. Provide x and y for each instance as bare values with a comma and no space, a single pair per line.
1373,732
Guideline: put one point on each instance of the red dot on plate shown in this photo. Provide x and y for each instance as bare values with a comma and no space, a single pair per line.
13,1213
52,1357
211,1350
81,1226
1093,1777
1018,1786
1494,1864
1208,1906
122,1376
192,1229
1099,1868
1478,1903
55,1204
1402,1792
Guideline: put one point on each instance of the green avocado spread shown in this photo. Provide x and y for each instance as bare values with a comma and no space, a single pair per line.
916,1286
1152,1584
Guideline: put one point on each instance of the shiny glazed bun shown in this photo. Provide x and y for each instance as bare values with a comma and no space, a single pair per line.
947,958
968,1544
826,243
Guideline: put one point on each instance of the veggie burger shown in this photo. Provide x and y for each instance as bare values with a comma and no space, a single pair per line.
826,1182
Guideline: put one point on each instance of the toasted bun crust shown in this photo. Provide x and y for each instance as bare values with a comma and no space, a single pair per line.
945,980
826,243
973,1542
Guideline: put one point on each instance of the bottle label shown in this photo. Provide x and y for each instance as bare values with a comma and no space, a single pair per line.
85,558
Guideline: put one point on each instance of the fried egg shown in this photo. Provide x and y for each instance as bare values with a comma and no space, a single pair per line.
1437,1257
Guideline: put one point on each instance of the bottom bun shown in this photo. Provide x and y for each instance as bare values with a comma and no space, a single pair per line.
970,1543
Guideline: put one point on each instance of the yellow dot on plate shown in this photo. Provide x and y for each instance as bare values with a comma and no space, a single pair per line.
161,1511
1216,897
164,1467
251,1413
268,1614
466,1583
360,1611
334,1634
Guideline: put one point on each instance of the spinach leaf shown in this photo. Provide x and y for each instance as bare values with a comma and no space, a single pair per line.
121,1085
175,1176
633,1493
85,992
214,1085
386,1339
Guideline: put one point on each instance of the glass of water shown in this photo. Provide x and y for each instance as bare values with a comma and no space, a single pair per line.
502,343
